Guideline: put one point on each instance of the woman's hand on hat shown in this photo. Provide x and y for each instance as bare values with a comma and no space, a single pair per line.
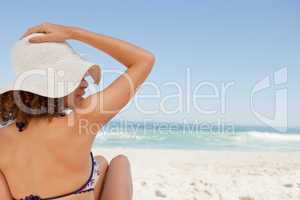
53,33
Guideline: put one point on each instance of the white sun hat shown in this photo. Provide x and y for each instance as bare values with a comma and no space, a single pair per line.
50,69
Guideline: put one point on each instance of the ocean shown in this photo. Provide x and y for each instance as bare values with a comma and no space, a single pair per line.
167,135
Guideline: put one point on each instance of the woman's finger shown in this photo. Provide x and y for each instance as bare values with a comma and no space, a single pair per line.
36,29
40,39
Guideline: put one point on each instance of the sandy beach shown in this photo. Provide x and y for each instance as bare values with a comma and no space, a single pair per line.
212,175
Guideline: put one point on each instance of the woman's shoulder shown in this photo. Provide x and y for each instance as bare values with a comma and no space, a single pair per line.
60,131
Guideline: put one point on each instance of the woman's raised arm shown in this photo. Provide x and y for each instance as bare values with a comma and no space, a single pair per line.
107,103
100,107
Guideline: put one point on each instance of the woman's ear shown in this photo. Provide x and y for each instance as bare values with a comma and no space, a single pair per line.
95,73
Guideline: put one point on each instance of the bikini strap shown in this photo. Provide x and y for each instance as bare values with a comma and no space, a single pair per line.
81,188
33,197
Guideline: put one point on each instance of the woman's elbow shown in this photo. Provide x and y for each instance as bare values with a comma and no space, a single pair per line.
149,59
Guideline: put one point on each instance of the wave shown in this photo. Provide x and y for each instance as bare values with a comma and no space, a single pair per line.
238,136
249,140
275,136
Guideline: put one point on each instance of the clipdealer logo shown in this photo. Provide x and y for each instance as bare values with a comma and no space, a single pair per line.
279,120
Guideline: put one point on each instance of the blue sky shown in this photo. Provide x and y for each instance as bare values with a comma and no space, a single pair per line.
218,41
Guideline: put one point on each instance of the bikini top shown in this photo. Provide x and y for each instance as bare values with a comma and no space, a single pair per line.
87,187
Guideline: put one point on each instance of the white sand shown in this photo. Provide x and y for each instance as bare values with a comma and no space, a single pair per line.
207,175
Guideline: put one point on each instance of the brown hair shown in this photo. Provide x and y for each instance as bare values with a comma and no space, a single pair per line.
22,106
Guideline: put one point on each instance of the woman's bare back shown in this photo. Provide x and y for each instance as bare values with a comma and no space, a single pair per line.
46,159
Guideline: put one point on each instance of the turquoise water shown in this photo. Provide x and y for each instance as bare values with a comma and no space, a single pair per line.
162,135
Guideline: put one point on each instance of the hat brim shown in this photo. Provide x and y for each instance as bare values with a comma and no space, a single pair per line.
55,81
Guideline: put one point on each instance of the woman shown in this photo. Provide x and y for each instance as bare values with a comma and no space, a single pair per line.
46,155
